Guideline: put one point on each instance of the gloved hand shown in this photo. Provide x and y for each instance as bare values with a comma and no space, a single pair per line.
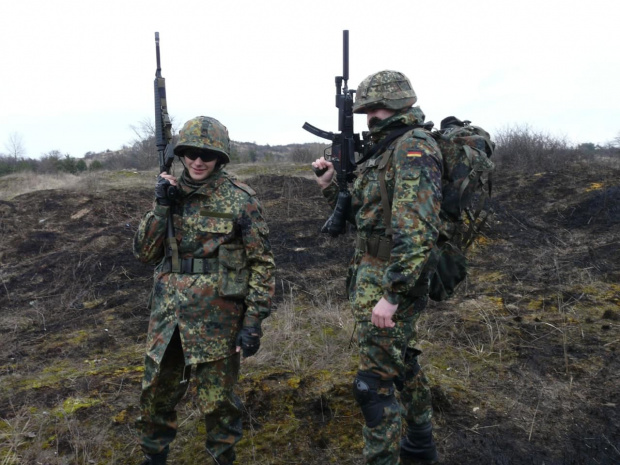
248,340
162,194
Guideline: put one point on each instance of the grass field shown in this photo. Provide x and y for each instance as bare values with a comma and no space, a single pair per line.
522,362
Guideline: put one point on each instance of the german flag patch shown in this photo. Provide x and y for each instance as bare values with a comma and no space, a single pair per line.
414,154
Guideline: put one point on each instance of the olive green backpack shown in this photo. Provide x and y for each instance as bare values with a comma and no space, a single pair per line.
465,208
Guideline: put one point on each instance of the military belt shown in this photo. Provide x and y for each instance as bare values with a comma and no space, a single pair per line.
193,265
375,246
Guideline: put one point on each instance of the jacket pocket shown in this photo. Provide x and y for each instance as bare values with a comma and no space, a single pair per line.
409,185
234,276
215,225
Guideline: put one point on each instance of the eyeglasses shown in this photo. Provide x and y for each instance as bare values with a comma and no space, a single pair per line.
204,156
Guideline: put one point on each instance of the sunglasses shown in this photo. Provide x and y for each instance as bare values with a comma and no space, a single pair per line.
204,156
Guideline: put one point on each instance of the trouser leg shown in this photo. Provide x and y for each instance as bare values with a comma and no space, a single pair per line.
416,393
163,386
221,407
381,363
418,444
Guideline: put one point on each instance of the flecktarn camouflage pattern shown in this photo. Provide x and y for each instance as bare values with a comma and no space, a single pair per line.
413,180
467,152
196,314
223,218
165,384
206,133
385,89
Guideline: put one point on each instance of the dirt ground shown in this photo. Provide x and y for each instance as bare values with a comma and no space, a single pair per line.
523,361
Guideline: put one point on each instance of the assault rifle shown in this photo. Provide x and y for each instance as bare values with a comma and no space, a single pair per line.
344,145
163,125
163,139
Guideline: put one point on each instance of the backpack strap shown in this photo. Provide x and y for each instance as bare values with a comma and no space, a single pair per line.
384,248
381,246
386,202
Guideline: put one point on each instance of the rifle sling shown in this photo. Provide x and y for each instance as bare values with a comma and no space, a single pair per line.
171,245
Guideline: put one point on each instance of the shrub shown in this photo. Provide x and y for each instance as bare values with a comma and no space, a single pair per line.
522,148
80,166
95,166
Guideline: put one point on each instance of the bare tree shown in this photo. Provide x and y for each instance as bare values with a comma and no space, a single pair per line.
306,153
143,149
15,146
302,155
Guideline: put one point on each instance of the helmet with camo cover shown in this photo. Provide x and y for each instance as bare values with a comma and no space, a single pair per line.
206,133
385,89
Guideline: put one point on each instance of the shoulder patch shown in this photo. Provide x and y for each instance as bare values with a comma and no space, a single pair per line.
417,141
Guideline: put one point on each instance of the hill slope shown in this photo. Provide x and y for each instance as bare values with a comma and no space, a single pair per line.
522,362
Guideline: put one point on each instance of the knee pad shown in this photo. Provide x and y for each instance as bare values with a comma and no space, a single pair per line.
365,391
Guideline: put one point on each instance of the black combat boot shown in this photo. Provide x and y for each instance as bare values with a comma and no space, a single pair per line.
418,445
220,461
156,459
227,458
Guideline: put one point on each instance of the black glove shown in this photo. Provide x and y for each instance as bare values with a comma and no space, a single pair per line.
249,340
162,191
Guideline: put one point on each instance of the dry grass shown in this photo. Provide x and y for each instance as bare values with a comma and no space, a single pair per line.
306,333
522,362
20,183
17,184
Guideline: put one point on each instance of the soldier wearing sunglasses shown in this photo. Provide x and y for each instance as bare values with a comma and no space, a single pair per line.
213,285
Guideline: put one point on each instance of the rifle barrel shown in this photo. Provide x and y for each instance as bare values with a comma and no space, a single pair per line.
345,55
158,71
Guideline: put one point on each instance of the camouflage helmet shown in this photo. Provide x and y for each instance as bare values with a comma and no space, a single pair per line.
385,89
206,133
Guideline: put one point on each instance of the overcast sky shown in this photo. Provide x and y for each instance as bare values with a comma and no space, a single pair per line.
77,74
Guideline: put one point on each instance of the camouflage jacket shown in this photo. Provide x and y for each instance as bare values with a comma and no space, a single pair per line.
413,181
222,223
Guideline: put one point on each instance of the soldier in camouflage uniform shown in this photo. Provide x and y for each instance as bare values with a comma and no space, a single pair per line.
388,277
213,285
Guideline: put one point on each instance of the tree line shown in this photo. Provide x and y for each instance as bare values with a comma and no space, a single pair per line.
521,147
141,154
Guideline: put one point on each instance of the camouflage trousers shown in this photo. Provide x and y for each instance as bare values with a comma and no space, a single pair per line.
390,354
164,385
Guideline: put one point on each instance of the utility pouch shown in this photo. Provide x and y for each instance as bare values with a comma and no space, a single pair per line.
234,276
450,271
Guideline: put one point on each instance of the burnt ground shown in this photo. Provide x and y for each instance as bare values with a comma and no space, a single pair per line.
522,362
